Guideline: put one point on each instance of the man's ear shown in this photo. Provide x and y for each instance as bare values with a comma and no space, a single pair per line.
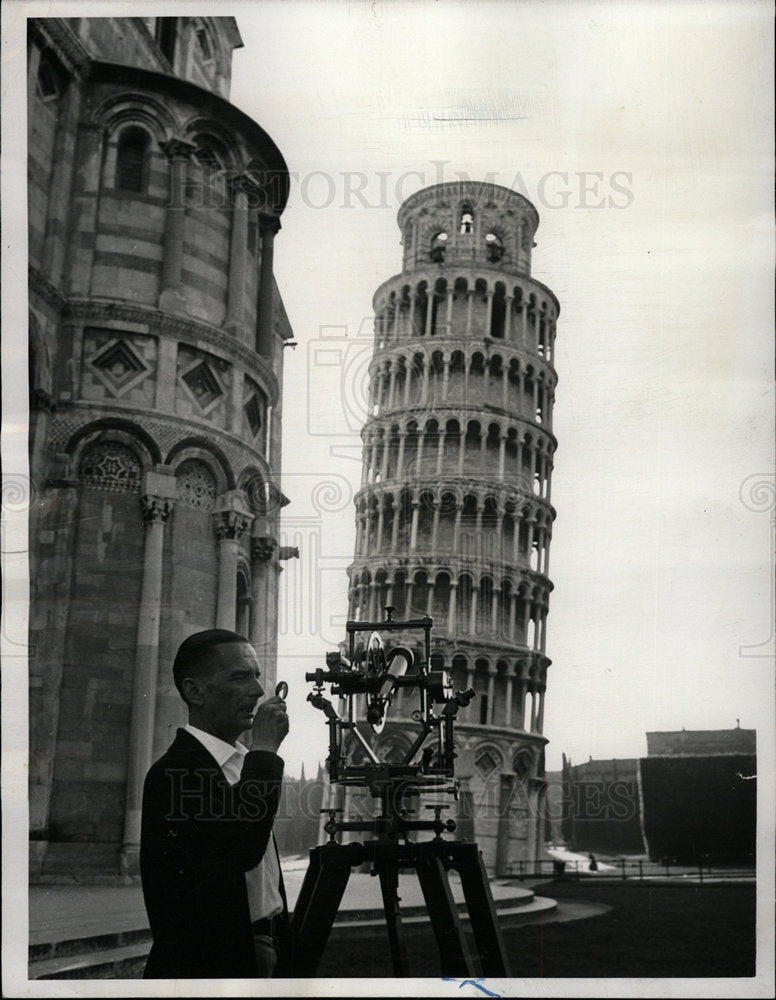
193,690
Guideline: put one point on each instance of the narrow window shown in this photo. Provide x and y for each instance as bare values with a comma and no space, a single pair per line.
494,248
467,219
204,44
438,246
49,83
131,160
165,36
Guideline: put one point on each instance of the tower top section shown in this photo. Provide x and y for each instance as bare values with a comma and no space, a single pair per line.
468,223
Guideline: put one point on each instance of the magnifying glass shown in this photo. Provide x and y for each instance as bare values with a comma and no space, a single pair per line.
281,690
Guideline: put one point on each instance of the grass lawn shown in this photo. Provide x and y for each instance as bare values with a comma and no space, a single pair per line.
652,930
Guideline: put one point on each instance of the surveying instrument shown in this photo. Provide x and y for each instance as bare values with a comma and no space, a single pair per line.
371,676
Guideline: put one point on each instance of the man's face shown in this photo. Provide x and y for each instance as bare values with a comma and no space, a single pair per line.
231,690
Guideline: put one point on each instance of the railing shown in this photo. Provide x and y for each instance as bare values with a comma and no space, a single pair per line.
704,868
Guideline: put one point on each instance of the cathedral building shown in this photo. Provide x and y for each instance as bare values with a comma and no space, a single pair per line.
156,336
453,515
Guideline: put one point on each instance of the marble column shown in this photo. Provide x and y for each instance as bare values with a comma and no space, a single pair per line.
231,520
156,508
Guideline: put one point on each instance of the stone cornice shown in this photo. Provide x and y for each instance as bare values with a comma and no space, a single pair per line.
479,193
402,416
460,485
512,733
482,648
39,284
457,269
487,346
185,329
62,40
430,562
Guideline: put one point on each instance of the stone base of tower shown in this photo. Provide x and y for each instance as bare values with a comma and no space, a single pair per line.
500,800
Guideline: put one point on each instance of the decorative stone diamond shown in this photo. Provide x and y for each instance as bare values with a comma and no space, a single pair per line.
203,385
254,414
119,366
486,762
523,762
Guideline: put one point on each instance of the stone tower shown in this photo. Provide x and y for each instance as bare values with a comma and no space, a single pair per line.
156,358
453,515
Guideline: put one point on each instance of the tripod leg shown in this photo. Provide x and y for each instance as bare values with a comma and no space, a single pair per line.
482,911
454,954
389,884
302,905
319,900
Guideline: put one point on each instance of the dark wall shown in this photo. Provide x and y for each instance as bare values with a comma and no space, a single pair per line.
696,806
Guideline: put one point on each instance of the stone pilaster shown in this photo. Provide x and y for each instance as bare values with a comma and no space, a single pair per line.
171,299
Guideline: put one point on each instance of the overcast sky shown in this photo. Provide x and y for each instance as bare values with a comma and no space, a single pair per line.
642,134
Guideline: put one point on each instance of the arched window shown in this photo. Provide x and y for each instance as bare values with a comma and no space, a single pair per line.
466,223
494,247
204,43
196,485
438,246
132,159
165,31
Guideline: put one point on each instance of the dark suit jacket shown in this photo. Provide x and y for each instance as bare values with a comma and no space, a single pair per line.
200,835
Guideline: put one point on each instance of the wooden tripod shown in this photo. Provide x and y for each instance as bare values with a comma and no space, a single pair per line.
327,877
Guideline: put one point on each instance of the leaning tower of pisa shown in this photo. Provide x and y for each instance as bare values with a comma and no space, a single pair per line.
453,515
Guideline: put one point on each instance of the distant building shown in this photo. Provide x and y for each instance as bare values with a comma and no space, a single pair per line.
705,742
156,358
698,791
693,796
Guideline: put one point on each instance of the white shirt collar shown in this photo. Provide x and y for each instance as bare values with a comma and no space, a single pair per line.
218,748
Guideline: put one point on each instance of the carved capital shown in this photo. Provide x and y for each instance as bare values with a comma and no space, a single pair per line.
262,548
268,224
177,149
41,400
231,524
155,509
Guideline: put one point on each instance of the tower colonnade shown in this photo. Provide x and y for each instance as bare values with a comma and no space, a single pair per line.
458,374
523,313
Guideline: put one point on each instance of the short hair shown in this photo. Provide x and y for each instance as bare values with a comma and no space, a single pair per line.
195,654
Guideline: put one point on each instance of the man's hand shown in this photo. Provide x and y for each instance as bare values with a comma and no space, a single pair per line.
270,725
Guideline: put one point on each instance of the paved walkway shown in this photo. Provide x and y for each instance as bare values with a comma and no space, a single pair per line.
66,912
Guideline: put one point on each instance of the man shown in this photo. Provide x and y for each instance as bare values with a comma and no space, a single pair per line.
208,861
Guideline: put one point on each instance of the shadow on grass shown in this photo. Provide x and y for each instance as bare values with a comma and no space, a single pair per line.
652,930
